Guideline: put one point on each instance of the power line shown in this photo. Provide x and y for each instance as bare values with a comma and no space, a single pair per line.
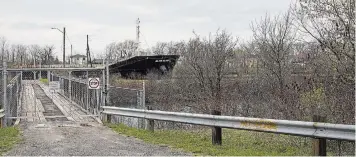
148,46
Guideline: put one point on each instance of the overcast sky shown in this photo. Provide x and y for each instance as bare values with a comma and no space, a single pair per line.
29,21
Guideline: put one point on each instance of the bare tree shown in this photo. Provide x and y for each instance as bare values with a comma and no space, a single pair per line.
46,55
3,47
111,51
332,24
168,48
275,38
127,49
117,51
205,60
35,51
160,48
21,53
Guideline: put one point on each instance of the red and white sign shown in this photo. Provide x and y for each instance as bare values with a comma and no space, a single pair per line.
94,83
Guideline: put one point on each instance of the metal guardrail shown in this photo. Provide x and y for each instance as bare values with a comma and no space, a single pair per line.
2,113
298,128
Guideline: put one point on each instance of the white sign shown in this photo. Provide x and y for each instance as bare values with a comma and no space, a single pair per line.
94,83
54,85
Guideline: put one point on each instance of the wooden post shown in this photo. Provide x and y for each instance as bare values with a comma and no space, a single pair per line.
216,131
319,144
150,123
108,118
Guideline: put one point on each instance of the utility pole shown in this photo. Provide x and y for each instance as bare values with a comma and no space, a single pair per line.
88,53
137,34
87,50
64,47
71,54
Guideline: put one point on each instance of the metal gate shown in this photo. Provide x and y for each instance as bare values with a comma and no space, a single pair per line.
52,94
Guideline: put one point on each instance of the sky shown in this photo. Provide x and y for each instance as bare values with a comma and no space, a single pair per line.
105,21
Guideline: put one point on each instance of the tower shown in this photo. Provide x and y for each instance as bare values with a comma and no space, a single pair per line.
137,35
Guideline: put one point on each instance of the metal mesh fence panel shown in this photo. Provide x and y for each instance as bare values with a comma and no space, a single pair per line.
75,87
1,90
11,95
79,96
127,98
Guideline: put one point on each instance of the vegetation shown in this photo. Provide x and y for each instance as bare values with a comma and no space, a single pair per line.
235,142
44,80
9,136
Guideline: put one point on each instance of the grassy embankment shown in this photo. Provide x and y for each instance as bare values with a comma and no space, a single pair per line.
235,142
9,136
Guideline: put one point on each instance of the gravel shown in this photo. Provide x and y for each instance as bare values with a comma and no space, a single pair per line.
73,139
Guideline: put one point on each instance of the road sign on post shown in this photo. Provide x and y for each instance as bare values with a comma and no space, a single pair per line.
93,83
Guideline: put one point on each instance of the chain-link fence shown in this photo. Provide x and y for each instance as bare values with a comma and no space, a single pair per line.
127,94
10,94
42,90
74,86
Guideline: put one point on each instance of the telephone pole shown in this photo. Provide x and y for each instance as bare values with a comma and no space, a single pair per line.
88,53
137,34
64,44
71,54
64,47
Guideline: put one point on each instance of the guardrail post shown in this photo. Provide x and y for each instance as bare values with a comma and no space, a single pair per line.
150,123
319,144
216,131
106,118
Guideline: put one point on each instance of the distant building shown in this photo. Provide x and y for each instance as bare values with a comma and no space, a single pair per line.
78,59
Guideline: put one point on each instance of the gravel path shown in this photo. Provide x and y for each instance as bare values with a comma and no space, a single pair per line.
71,139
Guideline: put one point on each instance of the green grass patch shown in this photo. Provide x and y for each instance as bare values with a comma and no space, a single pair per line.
235,142
43,80
9,136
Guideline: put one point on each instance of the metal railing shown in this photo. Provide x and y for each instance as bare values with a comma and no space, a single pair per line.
76,90
298,128
2,115
59,66
10,95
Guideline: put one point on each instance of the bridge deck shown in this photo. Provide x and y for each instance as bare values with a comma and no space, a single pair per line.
39,104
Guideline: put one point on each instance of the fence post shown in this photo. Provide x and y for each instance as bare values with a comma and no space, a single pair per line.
143,102
4,76
103,85
87,93
107,96
216,131
70,86
150,123
319,144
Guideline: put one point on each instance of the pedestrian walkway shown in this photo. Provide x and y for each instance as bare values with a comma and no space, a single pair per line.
40,104
54,126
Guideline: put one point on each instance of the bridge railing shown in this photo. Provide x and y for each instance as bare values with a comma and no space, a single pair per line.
316,130
76,90
10,96
58,66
